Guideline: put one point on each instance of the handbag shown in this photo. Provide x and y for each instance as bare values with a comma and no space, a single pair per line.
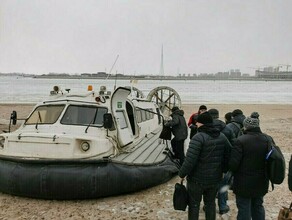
180,197
285,213
165,133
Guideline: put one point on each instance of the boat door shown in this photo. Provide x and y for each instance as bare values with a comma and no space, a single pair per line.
120,108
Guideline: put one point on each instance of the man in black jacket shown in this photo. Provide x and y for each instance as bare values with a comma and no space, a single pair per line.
247,162
236,124
179,129
205,162
220,125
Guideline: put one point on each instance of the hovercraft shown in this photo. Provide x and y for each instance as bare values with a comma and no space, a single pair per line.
91,145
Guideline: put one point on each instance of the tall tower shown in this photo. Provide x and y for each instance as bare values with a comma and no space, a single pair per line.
161,72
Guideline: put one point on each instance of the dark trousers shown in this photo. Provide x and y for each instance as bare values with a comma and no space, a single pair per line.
250,208
198,191
178,150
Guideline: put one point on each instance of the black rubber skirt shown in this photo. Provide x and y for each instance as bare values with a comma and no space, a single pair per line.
80,180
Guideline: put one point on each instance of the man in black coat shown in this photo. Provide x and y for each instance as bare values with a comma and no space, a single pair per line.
205,162
179,129
247,162
236,124
220,125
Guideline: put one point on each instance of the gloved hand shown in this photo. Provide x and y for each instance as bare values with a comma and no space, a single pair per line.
192,126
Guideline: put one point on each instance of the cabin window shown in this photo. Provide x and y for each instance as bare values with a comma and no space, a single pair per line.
143,114
84,115
45,114
138,115
147,114
151,115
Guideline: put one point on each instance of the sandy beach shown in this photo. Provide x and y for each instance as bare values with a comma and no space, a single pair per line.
156,202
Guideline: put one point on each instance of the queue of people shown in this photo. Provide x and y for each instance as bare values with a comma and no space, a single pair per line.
218,150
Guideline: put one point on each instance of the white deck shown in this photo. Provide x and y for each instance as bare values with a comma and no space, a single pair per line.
150,150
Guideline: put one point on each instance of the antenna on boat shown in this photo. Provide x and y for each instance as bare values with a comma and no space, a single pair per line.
116,80
112,67
161,72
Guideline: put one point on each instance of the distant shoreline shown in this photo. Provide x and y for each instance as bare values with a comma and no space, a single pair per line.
164,78
158,78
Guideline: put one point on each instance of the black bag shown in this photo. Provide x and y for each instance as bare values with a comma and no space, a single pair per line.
165,133
275,164
180,197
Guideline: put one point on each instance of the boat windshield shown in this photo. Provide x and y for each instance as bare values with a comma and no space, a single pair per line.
45,114
84,115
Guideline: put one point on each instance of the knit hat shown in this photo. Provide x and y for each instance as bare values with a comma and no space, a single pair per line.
214,113
205,118
250,123
175,108
254,115
237,112
202,107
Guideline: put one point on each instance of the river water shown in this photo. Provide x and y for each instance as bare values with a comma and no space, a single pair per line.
32,90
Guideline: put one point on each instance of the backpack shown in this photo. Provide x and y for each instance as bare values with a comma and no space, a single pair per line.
275,163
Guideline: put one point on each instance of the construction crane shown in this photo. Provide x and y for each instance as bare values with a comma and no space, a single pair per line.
287,66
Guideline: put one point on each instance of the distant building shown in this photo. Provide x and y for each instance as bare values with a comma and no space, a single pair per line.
273,74
235,73
271,69
222,74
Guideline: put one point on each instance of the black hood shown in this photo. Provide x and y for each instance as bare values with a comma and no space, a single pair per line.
238,119
220,125
210,130
178,112
252,130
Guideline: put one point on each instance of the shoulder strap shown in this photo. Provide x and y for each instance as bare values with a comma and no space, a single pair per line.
238,127
269,152
236,124
270,142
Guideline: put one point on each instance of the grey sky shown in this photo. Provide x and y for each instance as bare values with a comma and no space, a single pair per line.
76,36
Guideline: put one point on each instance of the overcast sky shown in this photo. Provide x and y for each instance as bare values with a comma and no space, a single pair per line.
206,36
